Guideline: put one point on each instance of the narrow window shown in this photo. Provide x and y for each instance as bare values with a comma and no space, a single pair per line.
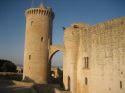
42,39
31,23
29,57
86,60
86,81
120,84
68,83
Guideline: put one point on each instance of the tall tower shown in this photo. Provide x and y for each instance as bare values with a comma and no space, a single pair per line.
38,38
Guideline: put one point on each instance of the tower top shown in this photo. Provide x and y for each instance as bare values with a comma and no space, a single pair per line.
40,10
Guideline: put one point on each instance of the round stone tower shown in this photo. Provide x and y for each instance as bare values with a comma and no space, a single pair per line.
38,38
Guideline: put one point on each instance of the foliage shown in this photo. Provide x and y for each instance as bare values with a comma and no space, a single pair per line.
7,66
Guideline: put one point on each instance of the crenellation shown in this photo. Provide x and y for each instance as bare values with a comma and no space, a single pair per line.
114,23
39,11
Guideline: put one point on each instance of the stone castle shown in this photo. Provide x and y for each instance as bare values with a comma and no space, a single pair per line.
94,55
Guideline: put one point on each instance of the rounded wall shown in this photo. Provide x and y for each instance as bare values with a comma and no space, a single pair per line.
37,40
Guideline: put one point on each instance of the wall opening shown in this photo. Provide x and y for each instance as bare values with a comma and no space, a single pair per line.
42,39
69,83
29,57
86,81
120,84
86,62
56,65
31,23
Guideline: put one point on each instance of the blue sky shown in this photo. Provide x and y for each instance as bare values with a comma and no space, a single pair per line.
12,21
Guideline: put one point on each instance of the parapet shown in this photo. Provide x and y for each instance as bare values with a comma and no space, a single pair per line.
111,23
41,10
77,26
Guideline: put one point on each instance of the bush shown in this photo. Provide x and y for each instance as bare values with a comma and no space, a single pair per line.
7,66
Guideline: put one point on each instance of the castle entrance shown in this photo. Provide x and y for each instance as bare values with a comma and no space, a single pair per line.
56,64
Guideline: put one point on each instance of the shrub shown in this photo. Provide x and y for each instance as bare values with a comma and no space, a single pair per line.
7,66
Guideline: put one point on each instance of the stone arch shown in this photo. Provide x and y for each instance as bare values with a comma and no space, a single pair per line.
54,49
50,58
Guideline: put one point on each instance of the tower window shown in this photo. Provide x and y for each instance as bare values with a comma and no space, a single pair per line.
42,39
120,84
31,23
86,60
86,81
29,57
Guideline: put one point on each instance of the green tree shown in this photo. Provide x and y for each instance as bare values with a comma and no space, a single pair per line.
7,66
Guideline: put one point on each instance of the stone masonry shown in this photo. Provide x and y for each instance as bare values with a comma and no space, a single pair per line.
37,41
94,55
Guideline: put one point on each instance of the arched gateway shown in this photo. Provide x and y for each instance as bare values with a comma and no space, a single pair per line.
52,52
54,49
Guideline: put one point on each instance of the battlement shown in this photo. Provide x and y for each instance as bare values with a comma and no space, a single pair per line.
111,23
40,11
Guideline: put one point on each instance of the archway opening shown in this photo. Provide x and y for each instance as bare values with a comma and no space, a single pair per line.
56,63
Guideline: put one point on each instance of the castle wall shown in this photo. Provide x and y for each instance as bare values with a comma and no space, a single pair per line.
93,55
104,46
71,42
